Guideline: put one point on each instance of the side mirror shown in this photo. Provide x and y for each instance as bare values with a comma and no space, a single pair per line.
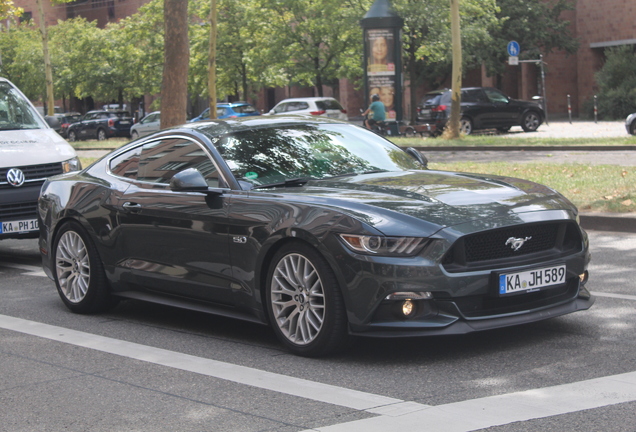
53,122
417,156
190,180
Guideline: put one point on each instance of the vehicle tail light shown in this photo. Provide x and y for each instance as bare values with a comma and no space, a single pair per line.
111,122
65,125
344,111
233,117
439,108
321,112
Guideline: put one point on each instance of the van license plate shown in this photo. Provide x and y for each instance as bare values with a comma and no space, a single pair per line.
19,226
531,280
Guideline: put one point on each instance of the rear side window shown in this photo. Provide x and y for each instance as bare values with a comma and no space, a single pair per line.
329,104
474,95
431,99
297,106
245,109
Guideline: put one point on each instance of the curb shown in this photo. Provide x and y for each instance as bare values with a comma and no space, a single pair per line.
615,222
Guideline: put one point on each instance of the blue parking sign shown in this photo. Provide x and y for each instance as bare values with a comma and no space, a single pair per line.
513,48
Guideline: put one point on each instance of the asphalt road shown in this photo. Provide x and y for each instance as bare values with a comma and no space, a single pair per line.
145,367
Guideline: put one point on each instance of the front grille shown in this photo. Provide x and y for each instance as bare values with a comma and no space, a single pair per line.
18,211
32,173
494,247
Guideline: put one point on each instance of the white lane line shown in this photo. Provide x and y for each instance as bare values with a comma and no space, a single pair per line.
618,296
492,411
240,374
30,270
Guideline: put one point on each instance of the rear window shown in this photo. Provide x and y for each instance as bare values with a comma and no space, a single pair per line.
244,109
119,114
329,104
432,99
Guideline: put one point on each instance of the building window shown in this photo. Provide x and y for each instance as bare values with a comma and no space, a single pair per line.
26,17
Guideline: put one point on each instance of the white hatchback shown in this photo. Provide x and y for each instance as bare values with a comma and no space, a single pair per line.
317,106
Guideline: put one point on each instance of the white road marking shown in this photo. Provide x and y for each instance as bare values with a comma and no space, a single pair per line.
30,270
618,296
227,371
392,414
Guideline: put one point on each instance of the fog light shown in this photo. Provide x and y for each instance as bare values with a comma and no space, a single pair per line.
408,308
583,277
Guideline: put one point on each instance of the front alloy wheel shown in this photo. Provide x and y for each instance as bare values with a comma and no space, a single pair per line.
79,273
305,304
530,122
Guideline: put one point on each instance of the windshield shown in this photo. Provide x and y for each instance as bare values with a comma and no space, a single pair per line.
15,110
266,156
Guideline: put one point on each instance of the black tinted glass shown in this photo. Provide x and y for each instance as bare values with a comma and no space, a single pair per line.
244,109
328,105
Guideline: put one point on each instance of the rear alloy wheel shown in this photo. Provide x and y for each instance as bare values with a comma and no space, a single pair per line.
304,302
72,136
530,121
79,273
101,135
465,126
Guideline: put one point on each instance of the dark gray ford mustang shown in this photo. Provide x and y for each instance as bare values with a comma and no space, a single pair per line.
319,228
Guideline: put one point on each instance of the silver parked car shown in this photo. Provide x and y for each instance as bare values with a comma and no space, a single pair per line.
147,125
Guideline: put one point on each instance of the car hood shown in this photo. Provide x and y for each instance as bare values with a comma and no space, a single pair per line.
33,147
429,200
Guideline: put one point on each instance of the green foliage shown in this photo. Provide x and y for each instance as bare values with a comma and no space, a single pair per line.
22,59
617,83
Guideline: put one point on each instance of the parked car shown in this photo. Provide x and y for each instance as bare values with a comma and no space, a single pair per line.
316,106
630,124
147,125
30,152
317,227
101,125
64,120
229,110
481,108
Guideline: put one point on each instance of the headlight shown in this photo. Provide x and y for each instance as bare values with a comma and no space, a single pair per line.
384,246
71,165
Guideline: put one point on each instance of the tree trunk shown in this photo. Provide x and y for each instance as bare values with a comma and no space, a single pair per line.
48,69
453,126
212,60
174,86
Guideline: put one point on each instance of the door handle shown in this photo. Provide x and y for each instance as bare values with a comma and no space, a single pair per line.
132,207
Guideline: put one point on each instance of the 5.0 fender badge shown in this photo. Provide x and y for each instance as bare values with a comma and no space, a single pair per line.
516,243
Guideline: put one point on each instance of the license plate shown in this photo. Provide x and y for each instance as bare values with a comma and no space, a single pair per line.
333,115
124,122
19,226
531,280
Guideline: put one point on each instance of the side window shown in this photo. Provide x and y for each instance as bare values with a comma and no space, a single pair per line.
474,95
495,96
159,161
126,164
220,112
281,108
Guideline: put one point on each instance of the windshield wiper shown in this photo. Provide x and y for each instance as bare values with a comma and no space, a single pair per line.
289,182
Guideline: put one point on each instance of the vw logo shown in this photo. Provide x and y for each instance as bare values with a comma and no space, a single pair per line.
516,243
15,177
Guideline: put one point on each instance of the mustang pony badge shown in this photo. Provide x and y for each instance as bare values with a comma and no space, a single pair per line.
516,242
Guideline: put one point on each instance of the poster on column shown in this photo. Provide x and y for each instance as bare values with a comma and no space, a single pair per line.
381,67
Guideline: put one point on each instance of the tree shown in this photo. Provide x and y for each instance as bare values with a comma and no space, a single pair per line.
9,10
310,41
174,85
537,25
617,83
22,63
453,126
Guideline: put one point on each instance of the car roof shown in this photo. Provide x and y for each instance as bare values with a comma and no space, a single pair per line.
305,99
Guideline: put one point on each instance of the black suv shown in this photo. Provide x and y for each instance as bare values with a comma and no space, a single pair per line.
481,108
101,125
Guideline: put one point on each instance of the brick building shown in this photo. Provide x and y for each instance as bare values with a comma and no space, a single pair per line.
597,24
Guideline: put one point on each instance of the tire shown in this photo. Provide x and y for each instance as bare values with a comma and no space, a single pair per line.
530,121
632,128
134,135
79,272
72,136
304,302
101,135
465,126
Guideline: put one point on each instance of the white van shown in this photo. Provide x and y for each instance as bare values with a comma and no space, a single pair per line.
30,151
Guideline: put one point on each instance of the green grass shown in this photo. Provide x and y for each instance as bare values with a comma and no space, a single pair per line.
111,143
607,188
494,140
